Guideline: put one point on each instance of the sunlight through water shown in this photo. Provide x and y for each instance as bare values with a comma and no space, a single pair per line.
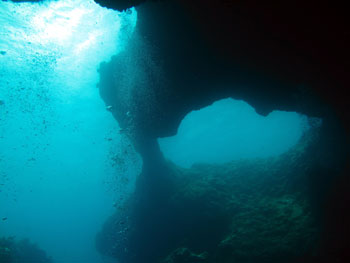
59,178
231,130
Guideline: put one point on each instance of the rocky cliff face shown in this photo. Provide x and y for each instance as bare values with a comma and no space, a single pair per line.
262,210
292,46
20,251
186,54
171,68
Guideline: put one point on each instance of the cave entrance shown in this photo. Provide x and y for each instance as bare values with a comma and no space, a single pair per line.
231,130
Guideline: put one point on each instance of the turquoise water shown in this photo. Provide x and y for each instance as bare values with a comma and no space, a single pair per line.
63,166
229,130
58,179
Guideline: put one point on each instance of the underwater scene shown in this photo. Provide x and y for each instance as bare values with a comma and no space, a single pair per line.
127,137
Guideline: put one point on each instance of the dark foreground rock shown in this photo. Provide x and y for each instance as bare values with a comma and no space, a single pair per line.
21,251
261,210
183,56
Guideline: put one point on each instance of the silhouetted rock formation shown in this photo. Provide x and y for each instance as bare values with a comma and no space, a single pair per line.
295,44
287,56
13,251
260,210
119,5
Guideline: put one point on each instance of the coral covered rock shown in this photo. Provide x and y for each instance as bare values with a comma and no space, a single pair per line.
23,251
184,255
254,210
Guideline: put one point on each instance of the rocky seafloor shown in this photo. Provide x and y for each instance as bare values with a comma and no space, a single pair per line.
249,210
21,251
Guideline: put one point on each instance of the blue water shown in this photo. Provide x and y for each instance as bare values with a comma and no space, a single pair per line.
59,146
58,177
229,130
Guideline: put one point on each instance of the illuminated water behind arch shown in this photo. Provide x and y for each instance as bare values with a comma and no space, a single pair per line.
230,130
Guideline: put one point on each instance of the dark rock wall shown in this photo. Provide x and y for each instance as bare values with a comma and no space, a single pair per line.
262,210
21,251
120,5
175,69
291,44
286,56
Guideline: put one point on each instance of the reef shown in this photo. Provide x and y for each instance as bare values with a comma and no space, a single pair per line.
260,210
21,251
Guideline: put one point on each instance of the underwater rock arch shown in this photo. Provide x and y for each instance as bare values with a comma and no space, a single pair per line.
176,68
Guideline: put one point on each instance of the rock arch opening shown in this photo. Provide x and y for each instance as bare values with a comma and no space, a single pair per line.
231,130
